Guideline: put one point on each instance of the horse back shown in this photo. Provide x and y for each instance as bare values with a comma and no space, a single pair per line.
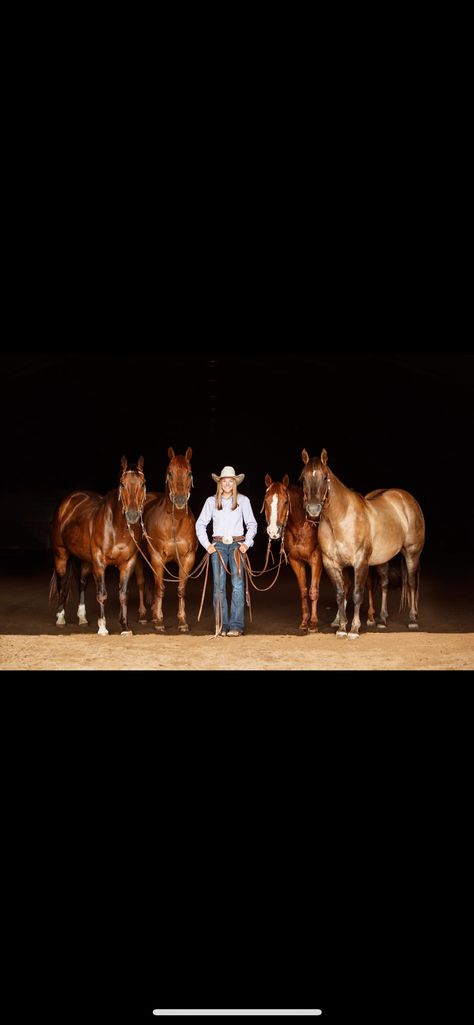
73,522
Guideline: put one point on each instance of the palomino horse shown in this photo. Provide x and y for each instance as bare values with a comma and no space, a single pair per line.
362,532
171,536
101,532
286,521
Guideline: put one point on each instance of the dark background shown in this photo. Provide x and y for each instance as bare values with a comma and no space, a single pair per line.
386,420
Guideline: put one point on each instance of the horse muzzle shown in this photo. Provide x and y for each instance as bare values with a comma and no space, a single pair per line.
180,501
314,509
132,516
274,534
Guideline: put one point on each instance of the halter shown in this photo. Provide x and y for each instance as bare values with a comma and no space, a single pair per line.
324,499
283,525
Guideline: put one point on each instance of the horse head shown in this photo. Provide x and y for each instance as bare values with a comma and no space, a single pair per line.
179,478
316,482
276,506
132,490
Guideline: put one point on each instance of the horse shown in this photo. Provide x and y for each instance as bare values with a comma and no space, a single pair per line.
171,537
361,532
101,531
284,510
286,521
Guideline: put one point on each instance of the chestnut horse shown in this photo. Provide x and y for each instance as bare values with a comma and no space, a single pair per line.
362,532
286,521
101,532
171,536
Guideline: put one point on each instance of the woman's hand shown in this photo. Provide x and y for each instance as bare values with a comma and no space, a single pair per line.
212,549
243,548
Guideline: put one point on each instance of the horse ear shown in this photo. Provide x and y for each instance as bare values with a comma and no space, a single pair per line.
124,463
286,480
170,453
189,454
324,457
140,463
305,456
268,480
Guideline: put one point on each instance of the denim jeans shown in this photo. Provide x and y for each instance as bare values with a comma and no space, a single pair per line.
237,606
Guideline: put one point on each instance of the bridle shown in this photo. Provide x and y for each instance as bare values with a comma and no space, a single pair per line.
171,494
125,508
282,525
325,498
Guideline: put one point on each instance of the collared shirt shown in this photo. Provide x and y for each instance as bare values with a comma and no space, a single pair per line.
226,521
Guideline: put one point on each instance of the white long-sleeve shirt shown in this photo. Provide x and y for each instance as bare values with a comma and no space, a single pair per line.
226,522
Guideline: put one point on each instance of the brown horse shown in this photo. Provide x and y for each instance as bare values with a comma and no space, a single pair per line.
362,532
101,532
171,537
286,521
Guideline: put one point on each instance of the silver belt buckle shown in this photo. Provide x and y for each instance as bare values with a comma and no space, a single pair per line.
228,540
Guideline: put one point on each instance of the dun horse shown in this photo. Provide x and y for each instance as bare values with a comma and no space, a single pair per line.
171,536
362,532
286,521
100,532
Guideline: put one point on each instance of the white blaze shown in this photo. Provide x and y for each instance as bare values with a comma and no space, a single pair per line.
272,526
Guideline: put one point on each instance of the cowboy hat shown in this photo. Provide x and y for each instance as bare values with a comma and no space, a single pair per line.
229,471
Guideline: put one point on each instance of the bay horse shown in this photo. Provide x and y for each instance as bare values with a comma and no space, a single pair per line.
100,531
171,537
286,521
360,532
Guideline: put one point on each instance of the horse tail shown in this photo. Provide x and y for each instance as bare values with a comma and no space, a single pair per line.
417,588
404,594
53,584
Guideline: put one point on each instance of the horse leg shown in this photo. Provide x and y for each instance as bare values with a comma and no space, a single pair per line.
86,570
157,607
61,583
299,569
347,587
383,574
101,595
140,577
412,560
185,568
371,608
126,571
360,576
316,570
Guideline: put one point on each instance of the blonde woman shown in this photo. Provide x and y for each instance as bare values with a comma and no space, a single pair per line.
230,512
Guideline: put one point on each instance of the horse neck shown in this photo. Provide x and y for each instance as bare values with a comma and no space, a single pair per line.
297,515
338,496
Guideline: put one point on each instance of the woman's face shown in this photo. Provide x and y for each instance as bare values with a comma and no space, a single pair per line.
227,484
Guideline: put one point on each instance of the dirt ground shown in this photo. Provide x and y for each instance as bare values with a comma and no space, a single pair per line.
30,640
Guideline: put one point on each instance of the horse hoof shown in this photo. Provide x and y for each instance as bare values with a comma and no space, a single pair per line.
103,632
353,637
183,628
413,626
159,627
143,621
126,633
341,633
83,622
381,626
303,629
313,629
371,622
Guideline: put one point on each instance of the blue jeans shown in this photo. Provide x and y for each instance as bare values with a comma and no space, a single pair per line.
237,605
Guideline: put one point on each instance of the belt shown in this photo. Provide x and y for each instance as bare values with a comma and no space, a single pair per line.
228,540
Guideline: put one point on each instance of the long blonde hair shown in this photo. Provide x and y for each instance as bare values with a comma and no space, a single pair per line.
234,495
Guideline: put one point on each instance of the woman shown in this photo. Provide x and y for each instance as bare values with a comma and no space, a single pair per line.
229,511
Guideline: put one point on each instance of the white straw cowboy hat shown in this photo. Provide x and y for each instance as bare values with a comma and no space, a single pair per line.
229,471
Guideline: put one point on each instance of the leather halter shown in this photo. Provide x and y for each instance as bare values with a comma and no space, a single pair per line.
325,498
121,489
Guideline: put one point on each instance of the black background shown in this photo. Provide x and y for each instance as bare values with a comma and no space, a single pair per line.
386,420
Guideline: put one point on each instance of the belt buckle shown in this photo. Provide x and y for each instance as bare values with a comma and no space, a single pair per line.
227,540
